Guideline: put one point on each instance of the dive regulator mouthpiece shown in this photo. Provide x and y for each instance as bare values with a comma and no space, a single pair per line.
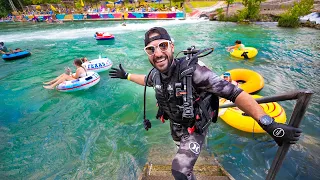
146,124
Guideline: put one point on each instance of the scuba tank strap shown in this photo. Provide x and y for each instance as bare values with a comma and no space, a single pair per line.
207,118
209,105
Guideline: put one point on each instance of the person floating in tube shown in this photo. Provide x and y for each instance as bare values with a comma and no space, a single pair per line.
189,132
238,46
227,77
68,76
84,59
5,50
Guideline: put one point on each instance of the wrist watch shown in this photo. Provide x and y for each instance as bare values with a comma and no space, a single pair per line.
266,120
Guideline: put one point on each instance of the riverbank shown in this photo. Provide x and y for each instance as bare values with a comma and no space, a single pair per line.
270,11
310,24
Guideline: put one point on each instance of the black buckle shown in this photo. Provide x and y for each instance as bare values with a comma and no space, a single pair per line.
187,111
179,91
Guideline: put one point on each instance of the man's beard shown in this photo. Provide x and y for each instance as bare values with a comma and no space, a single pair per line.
169,64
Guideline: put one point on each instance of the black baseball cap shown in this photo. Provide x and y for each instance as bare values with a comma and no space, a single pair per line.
163,34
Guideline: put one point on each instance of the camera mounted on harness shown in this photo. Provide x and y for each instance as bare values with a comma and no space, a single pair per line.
184,87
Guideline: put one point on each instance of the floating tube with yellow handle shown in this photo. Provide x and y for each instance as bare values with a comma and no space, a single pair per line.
250,51
236,118
250,81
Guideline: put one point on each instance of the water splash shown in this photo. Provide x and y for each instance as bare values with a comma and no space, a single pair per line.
56,32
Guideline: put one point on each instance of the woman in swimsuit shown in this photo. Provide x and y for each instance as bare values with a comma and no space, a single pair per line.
68,76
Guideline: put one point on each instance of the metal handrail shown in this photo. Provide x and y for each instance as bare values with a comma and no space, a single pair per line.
303,98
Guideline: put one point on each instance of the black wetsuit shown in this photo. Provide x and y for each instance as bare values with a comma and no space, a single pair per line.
189,144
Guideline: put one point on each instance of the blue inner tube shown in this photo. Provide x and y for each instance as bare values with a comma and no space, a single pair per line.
16,55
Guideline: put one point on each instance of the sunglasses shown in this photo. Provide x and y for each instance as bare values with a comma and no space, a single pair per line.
151,49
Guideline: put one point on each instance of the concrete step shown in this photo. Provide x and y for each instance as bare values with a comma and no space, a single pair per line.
207,170
198,178
159,165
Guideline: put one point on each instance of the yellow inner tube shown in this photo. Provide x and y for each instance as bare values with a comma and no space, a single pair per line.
235,118
251,80
251,52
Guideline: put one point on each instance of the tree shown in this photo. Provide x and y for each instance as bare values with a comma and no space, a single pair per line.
252,8
4,8
229,2
178,1
291,18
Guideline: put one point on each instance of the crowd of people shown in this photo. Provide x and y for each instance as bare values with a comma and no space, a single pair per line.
33,18
21,16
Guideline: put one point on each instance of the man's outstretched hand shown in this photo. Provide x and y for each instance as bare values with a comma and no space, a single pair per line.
118,73
283,133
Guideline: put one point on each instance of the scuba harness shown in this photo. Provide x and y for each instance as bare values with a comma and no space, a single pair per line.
192,110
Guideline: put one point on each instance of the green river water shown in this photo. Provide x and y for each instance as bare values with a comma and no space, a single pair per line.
98,133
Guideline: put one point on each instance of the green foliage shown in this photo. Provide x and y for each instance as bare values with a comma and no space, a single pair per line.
252,9
228,4
287,20
130,6
222,17
78,5
220,11
154,5
187,8
251,13
230,1
4,8
199,4
291,17
220,14
177,1
302,8
242,15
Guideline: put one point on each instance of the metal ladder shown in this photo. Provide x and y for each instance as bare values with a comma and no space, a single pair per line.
303,98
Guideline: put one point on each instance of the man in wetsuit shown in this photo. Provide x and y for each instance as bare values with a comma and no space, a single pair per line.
159,49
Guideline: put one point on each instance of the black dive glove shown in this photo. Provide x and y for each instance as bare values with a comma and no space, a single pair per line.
282,133
162,115
118,73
